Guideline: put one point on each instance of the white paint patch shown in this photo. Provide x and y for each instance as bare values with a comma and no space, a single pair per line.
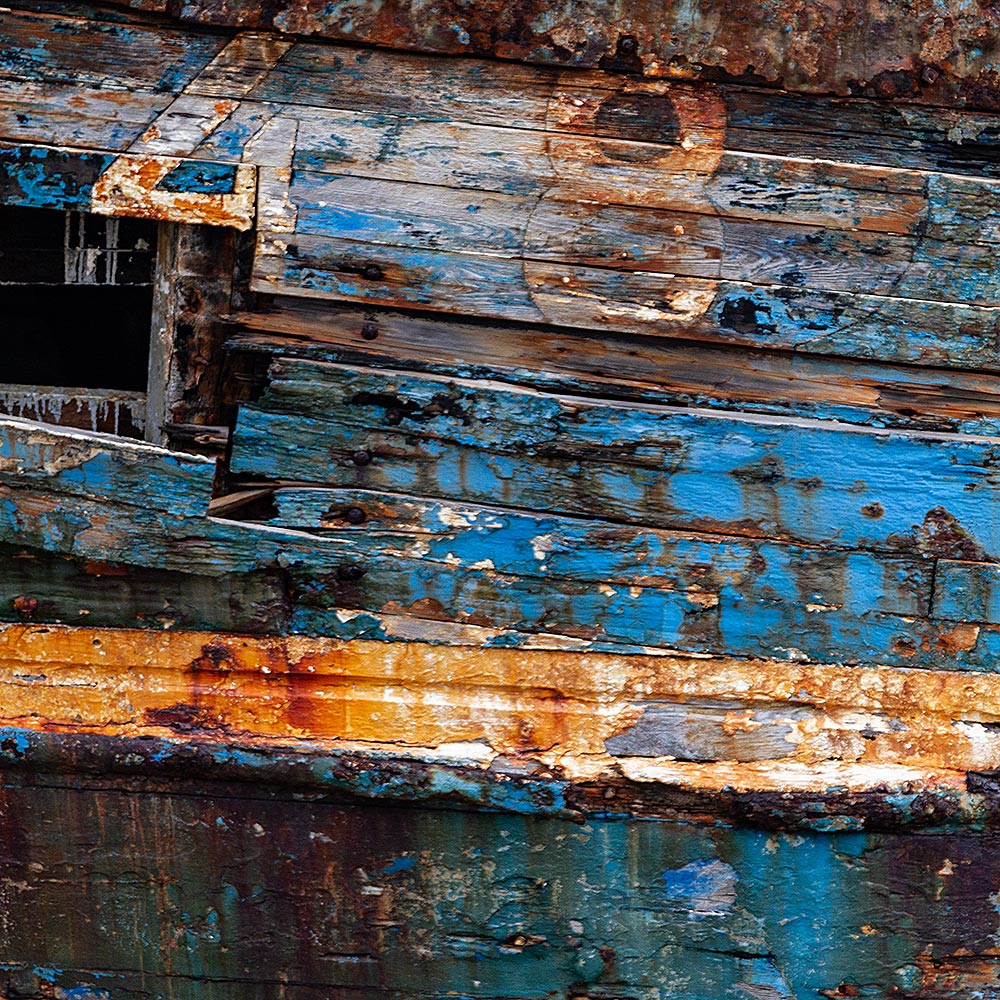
541,546
454,518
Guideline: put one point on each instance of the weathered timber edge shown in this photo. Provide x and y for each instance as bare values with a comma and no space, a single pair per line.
768,744
203,766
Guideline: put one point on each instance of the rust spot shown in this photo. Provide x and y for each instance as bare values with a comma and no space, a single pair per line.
873,510
959,639
425,607
185,718
215,658
24,606
843,990
942,535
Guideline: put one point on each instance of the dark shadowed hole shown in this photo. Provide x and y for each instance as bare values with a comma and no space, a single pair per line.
76,299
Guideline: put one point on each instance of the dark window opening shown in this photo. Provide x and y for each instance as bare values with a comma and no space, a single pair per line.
76,300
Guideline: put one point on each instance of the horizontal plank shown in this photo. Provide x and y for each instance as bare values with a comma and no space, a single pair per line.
579,716
64,460
618,171
624,367
638,238
540,546
783,317
75,115
756,475
48,587
535,97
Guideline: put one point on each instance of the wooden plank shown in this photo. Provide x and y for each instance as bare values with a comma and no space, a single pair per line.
751,119
707,180
549,906
618,366
783,317
825,55
515,543
255,685
127,185
75,114
109,55
101,467
637,238
757,475
43,586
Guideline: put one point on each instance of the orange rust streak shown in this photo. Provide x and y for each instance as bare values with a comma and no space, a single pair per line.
550,705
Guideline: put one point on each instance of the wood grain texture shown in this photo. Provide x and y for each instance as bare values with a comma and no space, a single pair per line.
422,903
549,714
614,366
934,54
675,468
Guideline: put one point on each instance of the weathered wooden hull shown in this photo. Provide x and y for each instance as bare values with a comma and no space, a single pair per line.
126,887
563,557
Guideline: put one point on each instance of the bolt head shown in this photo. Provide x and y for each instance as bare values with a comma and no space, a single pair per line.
372,272
355,515
369,331
361,457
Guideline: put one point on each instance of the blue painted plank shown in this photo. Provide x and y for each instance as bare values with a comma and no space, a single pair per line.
101,53
102,467
808,481
779,317
640,238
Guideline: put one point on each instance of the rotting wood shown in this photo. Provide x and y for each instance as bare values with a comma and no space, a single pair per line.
558,709
934,54
618,366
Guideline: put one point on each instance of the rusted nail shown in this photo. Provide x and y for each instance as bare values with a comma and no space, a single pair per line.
372,272
369,331
627,45
361,457
355,515
350,573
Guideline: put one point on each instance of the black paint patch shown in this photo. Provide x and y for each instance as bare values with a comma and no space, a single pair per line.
744,316
640,117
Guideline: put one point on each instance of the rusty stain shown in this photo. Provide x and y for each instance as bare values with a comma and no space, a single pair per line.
936,53
25,606
129,186
557,707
